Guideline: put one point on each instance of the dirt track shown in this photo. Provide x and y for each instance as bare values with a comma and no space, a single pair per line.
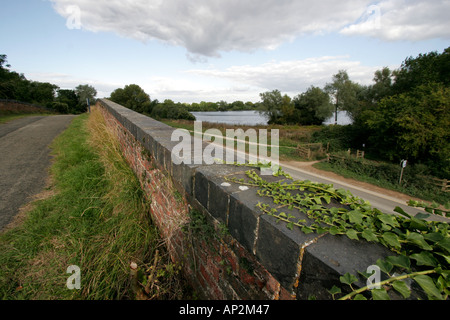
25,159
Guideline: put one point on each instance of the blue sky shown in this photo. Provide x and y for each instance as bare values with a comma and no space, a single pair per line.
214,50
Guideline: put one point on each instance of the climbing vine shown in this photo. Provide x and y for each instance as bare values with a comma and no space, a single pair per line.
421,248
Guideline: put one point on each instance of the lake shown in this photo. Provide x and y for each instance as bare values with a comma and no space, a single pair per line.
250,118
253,118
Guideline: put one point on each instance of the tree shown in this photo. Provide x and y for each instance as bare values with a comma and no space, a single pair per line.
343,92
133,97
68,97
271,102
312,107
11,83
425,68
3,61
171,110
383,84
42,92
84,92
415,125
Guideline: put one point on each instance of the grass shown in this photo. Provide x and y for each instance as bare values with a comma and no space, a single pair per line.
96,218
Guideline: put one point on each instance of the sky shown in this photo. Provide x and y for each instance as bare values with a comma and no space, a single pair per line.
212,50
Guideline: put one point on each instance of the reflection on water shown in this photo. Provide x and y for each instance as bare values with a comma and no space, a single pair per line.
253,118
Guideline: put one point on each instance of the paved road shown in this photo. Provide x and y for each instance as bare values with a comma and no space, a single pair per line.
24,160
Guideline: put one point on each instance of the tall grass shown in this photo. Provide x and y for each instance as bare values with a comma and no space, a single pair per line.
97,219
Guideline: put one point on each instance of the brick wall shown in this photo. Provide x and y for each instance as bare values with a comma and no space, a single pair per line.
228,249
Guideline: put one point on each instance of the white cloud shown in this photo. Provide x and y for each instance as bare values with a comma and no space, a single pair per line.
403,20
207,27
292,77
195,89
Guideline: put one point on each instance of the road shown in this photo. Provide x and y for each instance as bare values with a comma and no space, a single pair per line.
25,159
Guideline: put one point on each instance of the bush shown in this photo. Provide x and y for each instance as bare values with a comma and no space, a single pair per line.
339,137
171,111
60,107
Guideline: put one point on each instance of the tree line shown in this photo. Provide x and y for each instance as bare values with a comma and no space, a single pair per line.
15,86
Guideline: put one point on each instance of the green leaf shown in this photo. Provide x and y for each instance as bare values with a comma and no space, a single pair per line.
321,230
369,235
335,290
355,217
290,225
391,239
445,244
421,216
388,219
446,257
418,240
425,258
434,236
380,294
402,288
318,200
352,234
418,224
306,230
427,284
334,230
402,212
334,210
348,278
359,297
399,261
385,266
